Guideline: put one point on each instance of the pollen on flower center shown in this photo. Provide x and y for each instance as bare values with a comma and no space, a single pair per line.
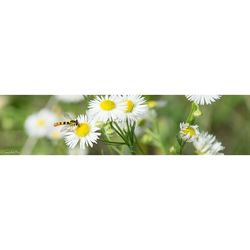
189,131
41,123
82,130
107,105
130,106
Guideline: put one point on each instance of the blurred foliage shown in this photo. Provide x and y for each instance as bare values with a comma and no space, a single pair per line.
228,119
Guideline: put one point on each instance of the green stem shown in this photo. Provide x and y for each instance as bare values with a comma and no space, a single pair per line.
132,149
118,130
132,137
118,150
112,142
190,120
127,135
139,146
130,133
181,147
158,137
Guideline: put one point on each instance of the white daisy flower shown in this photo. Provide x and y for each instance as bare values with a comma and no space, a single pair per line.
135,107
85,133
203,99
188,132
39,124
104,108
70,98
206,144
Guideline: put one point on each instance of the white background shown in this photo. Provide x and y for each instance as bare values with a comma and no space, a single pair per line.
124,203
164,47
144,47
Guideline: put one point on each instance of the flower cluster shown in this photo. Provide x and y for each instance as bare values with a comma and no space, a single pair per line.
104,109
204,143
117,108
117,120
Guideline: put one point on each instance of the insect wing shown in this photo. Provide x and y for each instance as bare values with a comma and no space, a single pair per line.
65,129
68,127
68,116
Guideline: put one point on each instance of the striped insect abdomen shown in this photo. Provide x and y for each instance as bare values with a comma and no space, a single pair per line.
56,124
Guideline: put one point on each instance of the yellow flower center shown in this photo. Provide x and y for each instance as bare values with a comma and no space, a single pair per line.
189,131
41,123
82,129
130,106
151,104
107,105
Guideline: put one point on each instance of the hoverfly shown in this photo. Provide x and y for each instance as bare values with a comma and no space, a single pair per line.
70,121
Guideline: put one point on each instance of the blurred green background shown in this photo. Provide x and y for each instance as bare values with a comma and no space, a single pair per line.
228,119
